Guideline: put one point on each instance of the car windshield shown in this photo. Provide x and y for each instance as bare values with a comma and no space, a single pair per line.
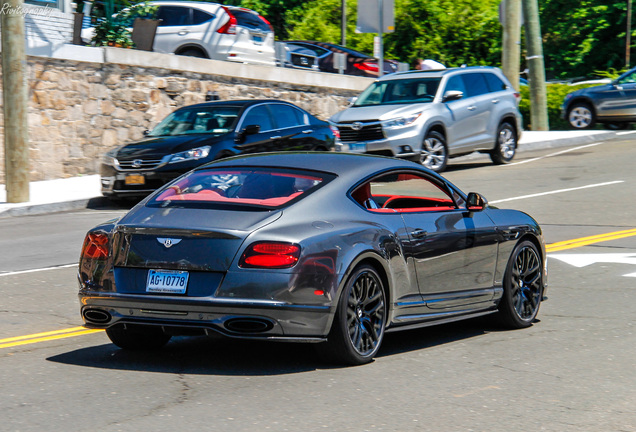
399,91
203,120
254,187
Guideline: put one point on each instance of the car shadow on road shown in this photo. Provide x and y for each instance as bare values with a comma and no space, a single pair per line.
222,356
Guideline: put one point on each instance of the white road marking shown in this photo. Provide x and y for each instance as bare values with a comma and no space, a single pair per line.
553,154
557,191
625,133
584,260
38,270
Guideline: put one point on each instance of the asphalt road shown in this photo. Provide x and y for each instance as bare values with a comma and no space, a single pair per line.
575,370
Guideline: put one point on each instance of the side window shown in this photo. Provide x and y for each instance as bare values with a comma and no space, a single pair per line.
259,115
403,193
200,17
475,84
629,79
174,16
456,83
495,84
287,116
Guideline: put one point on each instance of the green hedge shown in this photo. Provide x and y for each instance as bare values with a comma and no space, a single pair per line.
555,93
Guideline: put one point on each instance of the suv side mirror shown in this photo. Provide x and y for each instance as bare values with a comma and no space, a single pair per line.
146,132
476,202
452,95
352,100
247,130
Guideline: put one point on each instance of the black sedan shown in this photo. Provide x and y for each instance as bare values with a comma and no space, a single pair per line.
320,55
308,247
194,135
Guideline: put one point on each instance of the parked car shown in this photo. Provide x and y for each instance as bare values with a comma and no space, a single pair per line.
612,104
322,55
433,115
329,248
211,30
197,134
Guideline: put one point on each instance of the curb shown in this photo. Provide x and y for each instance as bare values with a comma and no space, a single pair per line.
38,209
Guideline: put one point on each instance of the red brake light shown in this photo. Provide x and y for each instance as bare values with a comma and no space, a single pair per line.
367,66
230,26
336,131
270,255
95,246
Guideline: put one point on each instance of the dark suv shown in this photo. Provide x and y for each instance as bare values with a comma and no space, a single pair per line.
613,104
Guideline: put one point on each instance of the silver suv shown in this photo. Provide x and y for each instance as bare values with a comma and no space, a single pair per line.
431,116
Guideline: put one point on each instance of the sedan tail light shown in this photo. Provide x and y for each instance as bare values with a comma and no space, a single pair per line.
230,26
95,246
273,255
367,66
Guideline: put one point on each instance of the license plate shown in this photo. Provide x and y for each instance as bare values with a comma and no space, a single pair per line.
135,179
358,147
257,38
167,281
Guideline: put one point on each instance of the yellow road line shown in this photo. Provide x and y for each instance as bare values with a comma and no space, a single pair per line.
584,241
45,336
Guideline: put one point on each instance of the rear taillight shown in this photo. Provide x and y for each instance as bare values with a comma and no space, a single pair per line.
95,246
517,97
230,26
367,66
336,131
273,255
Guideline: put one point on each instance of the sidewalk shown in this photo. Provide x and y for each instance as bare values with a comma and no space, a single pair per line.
76,192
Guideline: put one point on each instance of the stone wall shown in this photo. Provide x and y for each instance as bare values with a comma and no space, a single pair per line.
80,109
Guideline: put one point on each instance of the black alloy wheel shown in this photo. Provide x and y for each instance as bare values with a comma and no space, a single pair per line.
523,286
358,327
581,116
137,338
505,145
434,154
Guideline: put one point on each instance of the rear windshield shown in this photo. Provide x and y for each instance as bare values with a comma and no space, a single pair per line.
250,20
215,120
399,91
253,187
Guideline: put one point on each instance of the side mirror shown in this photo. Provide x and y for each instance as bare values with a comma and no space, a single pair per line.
146,132
352,100
452,95
247,130
476,202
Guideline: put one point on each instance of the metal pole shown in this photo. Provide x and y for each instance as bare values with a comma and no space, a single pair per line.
511,54
381,32
343,24
14,73
536,75
628,36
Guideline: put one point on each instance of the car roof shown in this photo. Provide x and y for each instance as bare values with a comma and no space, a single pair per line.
437,73
186,3
235,103
346,165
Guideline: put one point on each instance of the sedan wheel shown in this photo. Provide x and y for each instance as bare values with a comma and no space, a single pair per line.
137,338
360,319
506,145
523,286
581,116
434,155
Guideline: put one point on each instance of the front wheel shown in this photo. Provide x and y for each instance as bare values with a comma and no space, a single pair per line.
434,154
358,327
137,338
505,145
523,286
581,116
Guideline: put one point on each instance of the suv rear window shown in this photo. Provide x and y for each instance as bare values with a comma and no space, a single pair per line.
255,187
250,20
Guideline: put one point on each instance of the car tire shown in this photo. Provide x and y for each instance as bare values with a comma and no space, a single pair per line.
434,153
523,286
137,338
358,327
505,145
581,116
193,52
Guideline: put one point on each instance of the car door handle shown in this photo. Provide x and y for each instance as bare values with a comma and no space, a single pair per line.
183,32
495,101
472,108
276,137
418,233
308,131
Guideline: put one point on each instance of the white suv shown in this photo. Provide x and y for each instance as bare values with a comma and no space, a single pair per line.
212,30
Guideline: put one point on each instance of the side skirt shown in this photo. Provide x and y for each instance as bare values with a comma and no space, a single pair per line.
435,319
